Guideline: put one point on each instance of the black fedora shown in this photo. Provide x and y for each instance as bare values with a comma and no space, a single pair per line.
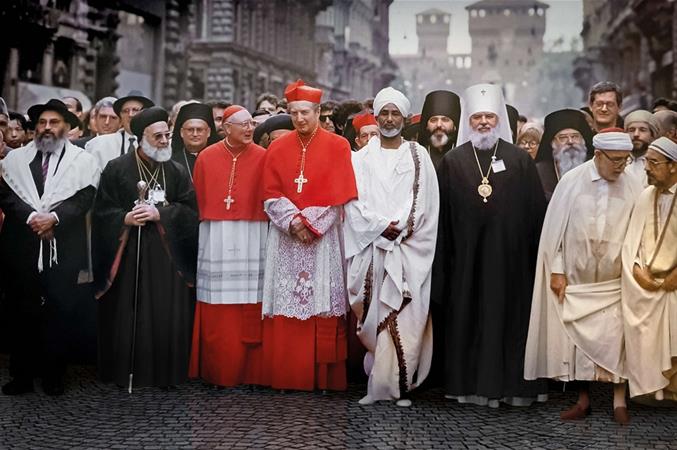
57,106
133,95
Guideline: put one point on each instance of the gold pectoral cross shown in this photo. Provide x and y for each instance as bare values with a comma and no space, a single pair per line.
299,182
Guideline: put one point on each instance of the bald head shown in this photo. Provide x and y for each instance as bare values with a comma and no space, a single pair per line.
668,123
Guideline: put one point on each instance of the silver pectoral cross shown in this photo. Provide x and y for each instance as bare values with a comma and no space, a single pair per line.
228,201
299,182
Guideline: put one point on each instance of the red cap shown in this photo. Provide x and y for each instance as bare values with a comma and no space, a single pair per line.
363,119
298,91
234,109
416,118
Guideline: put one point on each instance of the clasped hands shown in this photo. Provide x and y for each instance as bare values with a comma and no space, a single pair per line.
300,231
141,214
42,224
644,278
392,231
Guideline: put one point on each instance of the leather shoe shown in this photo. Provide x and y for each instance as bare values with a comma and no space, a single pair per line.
576,412
53,386
621,415
18,386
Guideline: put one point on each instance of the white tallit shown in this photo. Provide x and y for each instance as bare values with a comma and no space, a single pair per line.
76,171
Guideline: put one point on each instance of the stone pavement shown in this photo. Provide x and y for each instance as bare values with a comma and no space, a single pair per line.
94,415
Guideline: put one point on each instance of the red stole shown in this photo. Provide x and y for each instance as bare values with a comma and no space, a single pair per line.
211,175
328,169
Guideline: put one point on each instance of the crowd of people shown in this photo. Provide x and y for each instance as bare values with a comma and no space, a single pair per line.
295,244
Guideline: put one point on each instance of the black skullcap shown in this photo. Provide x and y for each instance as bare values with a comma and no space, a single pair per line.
147,117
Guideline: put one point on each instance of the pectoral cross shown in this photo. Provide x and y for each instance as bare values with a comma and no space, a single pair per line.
483,92
299,182
228,201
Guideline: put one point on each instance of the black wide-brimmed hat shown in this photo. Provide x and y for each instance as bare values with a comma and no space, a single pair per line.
133,95
557,121
277,122
57,106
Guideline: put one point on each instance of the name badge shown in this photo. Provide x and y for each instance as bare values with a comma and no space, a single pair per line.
498,166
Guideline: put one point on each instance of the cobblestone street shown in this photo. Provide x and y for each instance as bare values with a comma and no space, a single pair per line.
94,415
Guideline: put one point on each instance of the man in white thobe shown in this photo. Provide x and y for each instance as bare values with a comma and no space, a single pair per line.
576,325
643,128
390,235
650,279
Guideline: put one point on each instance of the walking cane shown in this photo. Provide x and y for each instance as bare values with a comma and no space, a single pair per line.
141,188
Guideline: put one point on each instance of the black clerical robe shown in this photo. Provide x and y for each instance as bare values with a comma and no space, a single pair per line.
167,260
548,176
484,271
185,159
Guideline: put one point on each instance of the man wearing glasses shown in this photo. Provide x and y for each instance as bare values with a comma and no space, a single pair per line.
110,146
566,144
605,102
576,326
194,130
650,279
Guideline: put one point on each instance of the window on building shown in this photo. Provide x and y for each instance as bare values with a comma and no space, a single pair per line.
506,12
532,11
446,19
482,13
473,13
419,19
433,18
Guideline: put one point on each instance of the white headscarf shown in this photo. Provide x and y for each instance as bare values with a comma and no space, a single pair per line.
390,95
483,98
612,141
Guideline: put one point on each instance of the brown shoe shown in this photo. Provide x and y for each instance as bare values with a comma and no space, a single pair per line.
576,412
621,415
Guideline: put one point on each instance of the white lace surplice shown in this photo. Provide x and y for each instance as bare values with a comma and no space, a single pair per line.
304,280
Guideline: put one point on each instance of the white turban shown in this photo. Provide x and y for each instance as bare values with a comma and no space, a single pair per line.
483,98
390,95
612,141
665,147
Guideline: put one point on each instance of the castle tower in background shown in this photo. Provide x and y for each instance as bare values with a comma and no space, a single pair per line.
432,30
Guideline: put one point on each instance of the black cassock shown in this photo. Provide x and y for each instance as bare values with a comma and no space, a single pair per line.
168,259
483,272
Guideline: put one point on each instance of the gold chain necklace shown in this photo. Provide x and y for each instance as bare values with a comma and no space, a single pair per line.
485,189
300,180
231,180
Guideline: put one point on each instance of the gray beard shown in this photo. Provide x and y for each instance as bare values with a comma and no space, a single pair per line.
390,133
439,140
568,157
49,144
484,141
157,154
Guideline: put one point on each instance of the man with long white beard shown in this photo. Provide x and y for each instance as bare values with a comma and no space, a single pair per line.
439,123
47,188
390,243
491,210
566,144
643,128
145,253
576,326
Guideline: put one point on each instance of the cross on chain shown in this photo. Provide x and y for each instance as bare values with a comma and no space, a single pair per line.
483,92
299,182
228,201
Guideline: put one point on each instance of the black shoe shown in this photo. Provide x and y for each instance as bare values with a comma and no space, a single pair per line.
53,386
18,386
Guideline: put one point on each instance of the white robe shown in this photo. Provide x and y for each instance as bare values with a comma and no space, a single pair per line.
389,281
106,147
582,237
650,317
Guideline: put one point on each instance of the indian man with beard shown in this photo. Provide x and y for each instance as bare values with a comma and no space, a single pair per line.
650,279
576,326
196,130
491,211
47,188
307,178
439,121
643,128
145,252
566,144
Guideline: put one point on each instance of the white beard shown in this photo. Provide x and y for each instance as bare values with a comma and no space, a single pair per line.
568,157
390,133
484,141
49,144
439,140
157,154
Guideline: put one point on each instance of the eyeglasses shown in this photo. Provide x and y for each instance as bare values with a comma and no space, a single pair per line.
528,143
654,163
325,117
564,138
601,104
130,110
195,130
246,124
619,162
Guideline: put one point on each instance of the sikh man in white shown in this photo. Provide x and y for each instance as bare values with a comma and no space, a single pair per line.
649,289
390,234
576,325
